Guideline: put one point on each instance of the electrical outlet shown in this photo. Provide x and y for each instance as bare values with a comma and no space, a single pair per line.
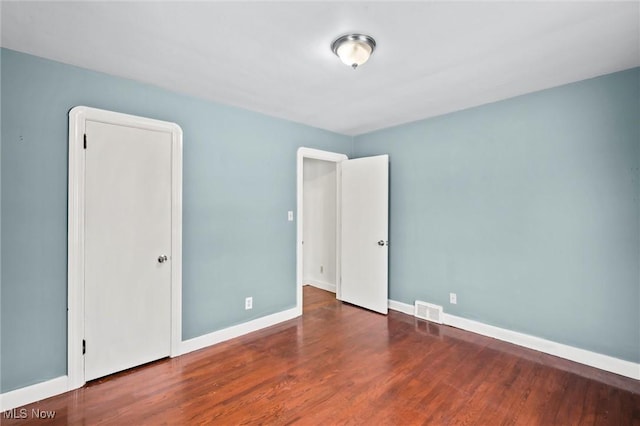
321,269
453,299
290,215
248,303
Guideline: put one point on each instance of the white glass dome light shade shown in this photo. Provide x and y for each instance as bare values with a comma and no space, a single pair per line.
354,49
354,53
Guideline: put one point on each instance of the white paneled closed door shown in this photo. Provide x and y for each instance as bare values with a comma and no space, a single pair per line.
365,218
127,304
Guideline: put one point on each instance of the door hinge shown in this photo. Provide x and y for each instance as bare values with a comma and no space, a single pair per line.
84,346
85,141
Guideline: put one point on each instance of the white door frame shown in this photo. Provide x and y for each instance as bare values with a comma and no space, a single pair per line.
75,273
316,154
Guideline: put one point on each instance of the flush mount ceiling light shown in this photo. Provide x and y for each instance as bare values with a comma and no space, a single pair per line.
354,49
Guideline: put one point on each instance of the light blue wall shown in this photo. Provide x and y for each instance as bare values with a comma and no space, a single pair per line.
239,182
528,209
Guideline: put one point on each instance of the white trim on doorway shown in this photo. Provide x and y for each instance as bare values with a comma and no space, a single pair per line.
77,122
316,154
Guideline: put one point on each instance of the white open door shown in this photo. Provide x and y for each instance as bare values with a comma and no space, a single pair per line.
365,227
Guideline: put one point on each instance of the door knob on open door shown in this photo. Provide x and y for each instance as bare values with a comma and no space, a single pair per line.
162,259
381,242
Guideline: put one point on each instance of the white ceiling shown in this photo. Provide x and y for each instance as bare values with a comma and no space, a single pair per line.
275,57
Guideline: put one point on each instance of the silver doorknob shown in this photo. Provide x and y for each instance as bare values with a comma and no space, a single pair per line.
162,259
381,242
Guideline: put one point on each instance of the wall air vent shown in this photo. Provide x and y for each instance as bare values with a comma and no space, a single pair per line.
428,311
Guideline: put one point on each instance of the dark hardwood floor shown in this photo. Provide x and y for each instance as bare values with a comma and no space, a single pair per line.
339,364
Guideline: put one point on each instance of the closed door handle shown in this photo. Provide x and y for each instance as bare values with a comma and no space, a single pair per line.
162,259
381,242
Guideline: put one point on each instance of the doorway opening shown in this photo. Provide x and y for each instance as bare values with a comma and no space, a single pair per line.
343,214
318,221
319,224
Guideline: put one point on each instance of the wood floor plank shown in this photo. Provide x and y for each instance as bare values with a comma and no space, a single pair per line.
339,364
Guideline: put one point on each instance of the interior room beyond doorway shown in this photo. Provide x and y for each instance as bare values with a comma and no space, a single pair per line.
320,224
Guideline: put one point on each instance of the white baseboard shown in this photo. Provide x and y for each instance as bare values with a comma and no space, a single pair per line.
39,391
237,330
323,285
582,356
405,308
